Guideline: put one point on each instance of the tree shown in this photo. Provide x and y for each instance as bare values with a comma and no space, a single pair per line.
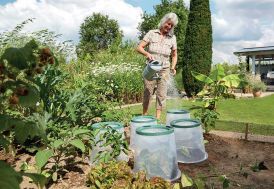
150,21
98,32
198,45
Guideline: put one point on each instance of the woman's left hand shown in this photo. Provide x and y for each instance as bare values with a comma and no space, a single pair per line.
173,71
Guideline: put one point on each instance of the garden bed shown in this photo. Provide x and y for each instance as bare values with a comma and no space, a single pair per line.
225,157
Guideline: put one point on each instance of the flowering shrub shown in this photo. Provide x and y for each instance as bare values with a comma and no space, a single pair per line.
125,80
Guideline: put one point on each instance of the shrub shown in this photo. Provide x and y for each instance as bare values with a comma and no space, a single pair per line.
255,83
198,45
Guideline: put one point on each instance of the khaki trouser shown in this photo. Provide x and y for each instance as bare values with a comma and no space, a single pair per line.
161,91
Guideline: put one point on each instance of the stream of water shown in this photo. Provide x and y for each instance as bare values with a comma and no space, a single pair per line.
173,93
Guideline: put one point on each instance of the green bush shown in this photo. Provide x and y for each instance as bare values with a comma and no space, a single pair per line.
198,45
230,68
98,32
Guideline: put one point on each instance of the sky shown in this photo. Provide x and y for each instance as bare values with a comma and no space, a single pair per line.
236,23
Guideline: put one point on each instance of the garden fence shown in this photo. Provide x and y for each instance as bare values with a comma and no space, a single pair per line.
259,132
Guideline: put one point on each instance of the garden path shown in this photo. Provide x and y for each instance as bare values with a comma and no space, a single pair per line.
250,95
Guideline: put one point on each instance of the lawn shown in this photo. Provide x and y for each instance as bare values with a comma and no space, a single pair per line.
234,113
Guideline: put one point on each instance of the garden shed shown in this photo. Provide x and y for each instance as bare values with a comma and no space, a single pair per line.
262,61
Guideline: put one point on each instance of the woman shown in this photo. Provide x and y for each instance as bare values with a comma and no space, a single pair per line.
161,46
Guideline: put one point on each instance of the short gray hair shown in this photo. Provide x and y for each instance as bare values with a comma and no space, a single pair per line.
169,16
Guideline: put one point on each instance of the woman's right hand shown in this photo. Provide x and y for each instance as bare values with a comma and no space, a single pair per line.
149,56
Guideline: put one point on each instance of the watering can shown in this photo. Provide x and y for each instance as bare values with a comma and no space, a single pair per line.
151,71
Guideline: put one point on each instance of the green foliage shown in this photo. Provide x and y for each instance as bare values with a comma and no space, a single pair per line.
150,21
52,160
123,115
198,45
53,106
9,178
71,104
186,181
225,181
231,68
217,85
42,158
119,175
257,166
98,32
124,80
38,179
17,38
208,118
126,52
110,143
113,76
18,67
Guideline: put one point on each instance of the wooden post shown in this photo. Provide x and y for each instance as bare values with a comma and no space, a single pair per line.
246,130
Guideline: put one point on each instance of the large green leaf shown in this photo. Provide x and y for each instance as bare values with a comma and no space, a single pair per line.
31,99
3,142
203,92
58,143
80,131
6,121
42,157
42,121
71,104
20,58
15,57
232,80
176,186
25,130
78,144
217,73
201,77
9,178
39,179
186,180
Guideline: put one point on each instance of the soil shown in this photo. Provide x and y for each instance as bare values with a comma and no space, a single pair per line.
225,157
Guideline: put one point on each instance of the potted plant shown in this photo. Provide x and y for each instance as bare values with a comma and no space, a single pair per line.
257,87
255,84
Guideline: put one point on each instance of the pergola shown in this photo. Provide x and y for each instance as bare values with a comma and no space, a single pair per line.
258,54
